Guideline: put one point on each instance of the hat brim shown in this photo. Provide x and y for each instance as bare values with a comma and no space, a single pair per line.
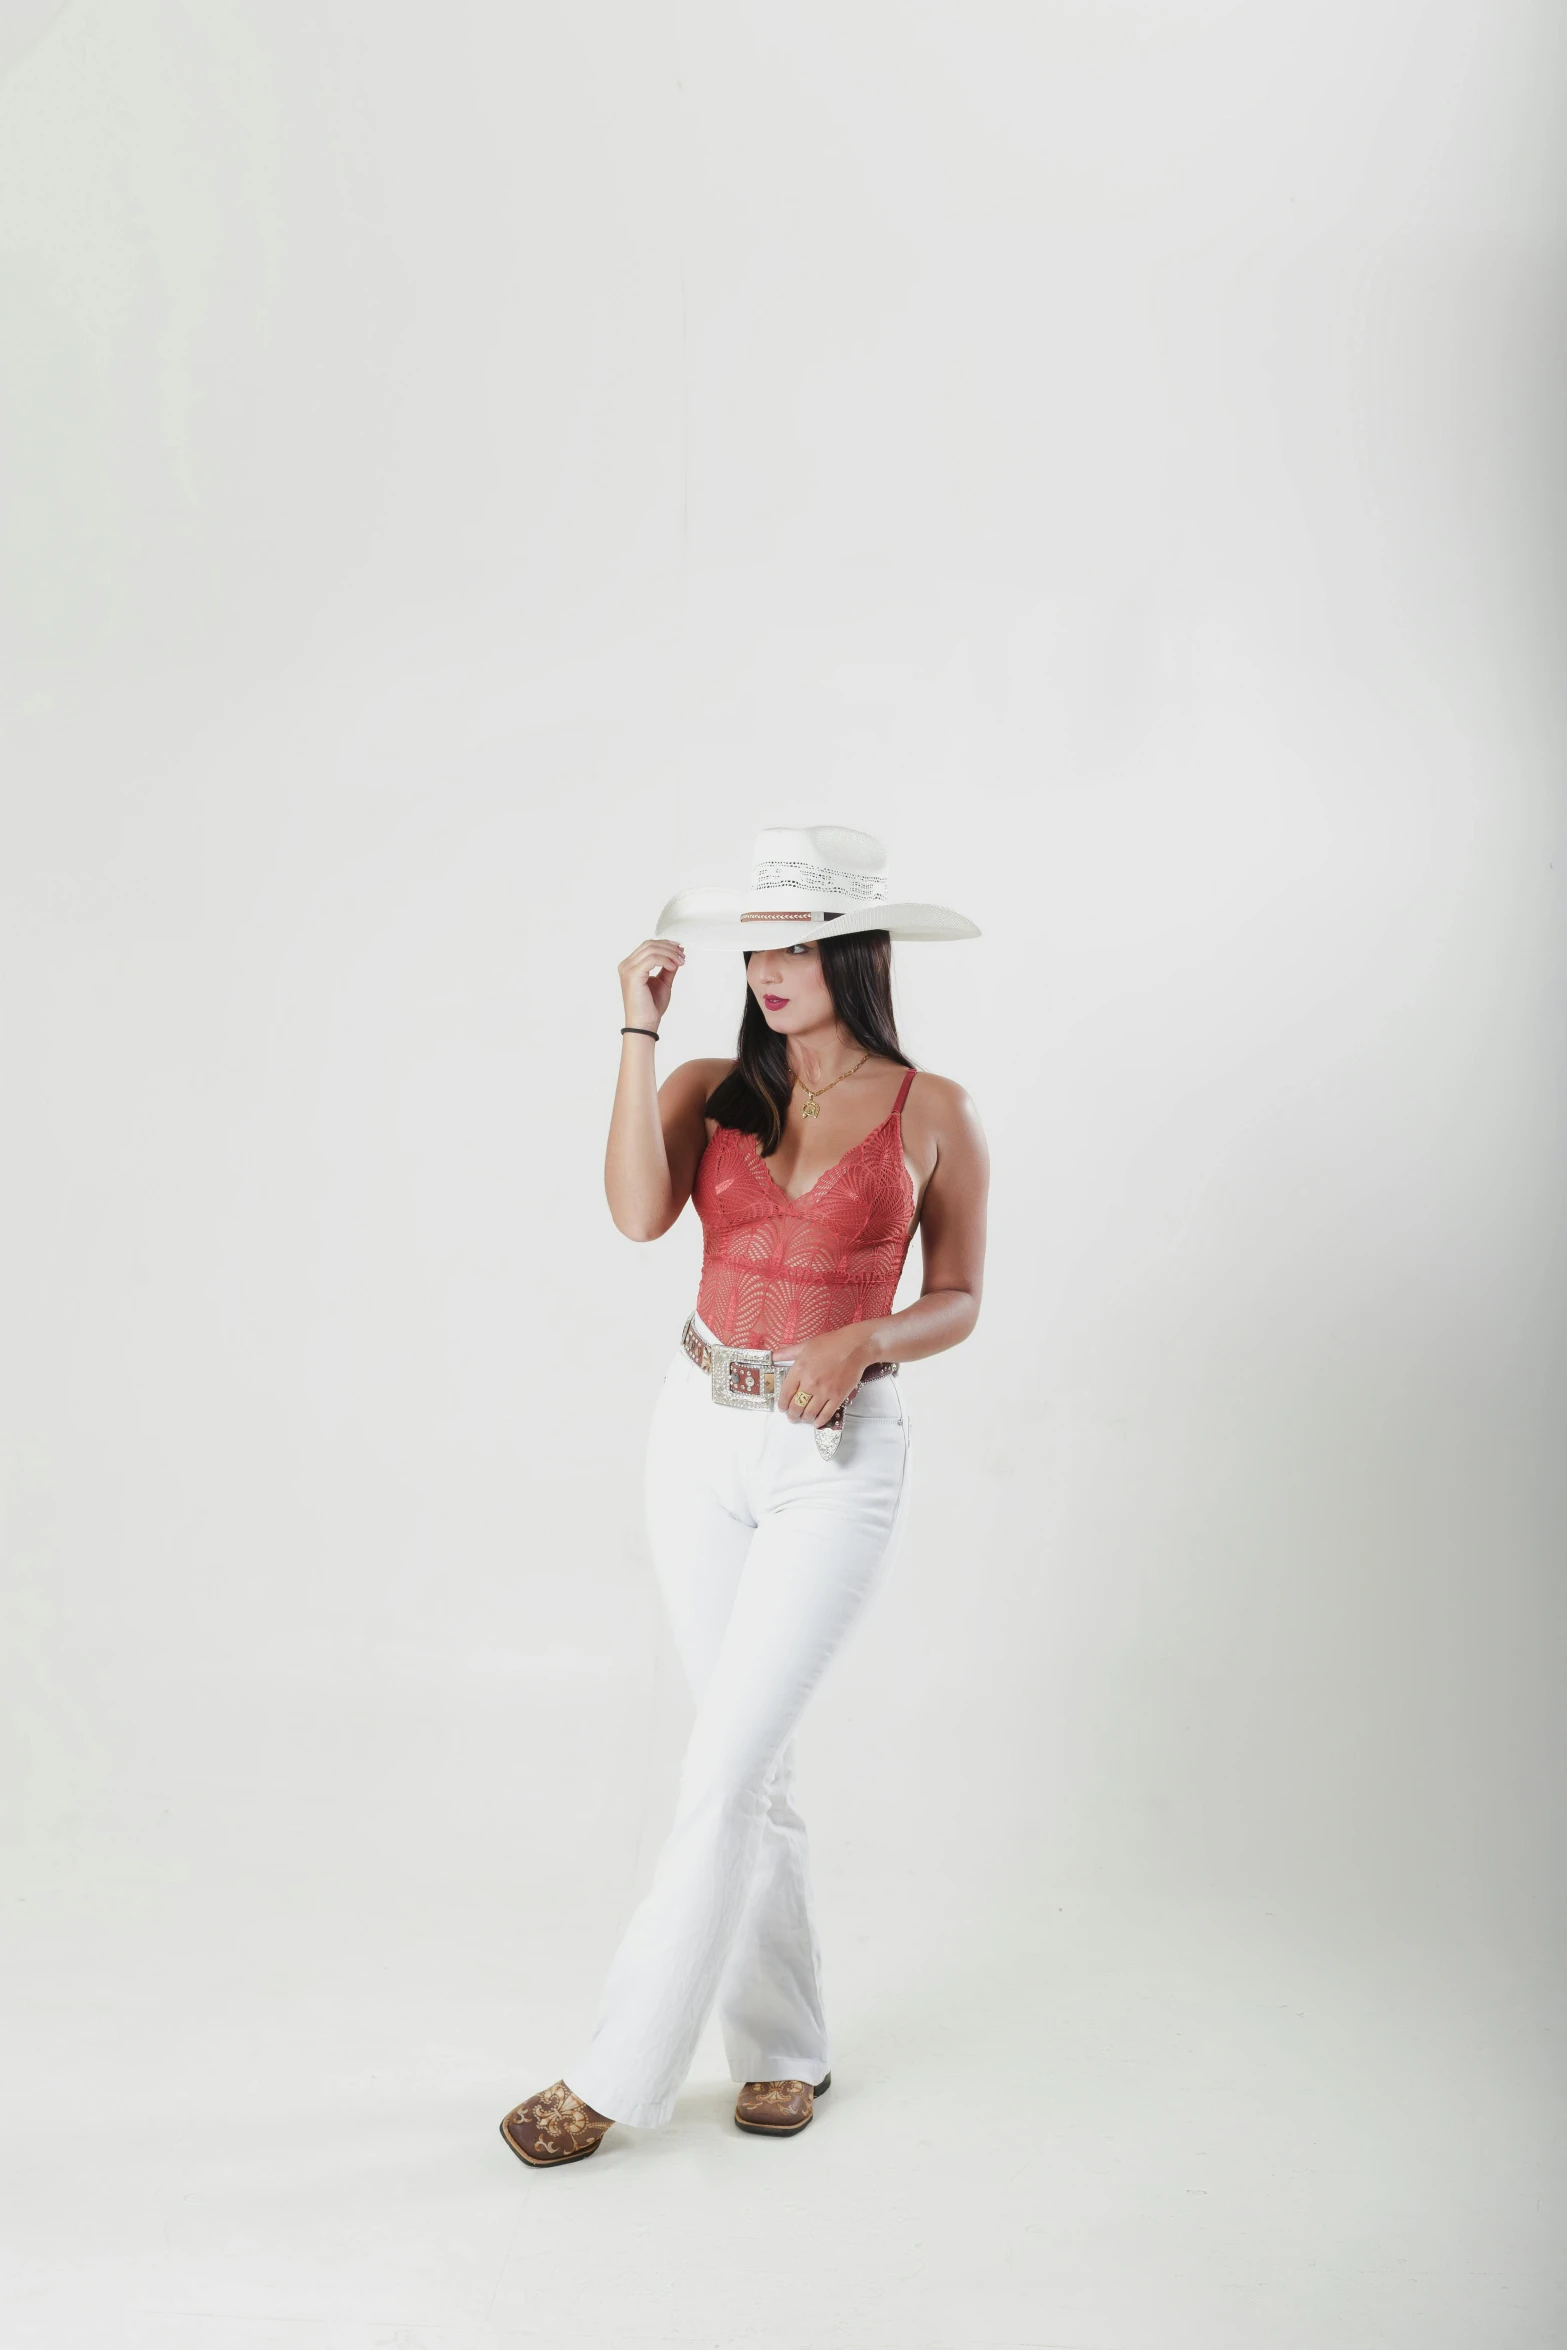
711,918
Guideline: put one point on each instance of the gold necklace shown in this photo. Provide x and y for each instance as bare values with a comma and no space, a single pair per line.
810,1102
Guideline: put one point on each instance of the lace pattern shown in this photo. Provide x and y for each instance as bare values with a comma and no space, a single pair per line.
776,1270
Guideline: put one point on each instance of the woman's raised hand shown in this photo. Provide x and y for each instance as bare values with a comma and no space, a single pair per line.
646,977
645,1189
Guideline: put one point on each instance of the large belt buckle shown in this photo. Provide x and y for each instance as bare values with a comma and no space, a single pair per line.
754,1384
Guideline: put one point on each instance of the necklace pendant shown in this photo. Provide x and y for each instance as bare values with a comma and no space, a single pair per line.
810,1107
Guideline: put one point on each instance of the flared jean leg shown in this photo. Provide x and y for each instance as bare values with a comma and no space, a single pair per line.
824,1533
769,2000
770,2003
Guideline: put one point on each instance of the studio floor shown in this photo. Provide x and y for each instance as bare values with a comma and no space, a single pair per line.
252,2103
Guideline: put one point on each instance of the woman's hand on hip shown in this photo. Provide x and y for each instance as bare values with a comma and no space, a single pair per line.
827,1369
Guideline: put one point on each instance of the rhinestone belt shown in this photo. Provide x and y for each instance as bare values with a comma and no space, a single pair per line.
747,1378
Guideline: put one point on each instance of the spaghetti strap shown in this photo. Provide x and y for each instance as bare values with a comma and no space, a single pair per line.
903,1091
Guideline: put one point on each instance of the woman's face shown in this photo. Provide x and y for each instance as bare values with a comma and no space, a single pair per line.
789,984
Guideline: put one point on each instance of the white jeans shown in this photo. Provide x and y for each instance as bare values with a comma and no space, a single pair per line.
765,1554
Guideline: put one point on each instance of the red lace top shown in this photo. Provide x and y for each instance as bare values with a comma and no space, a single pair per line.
776,1270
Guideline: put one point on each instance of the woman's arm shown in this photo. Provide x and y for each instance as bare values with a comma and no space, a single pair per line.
952,1240
952,1232
656,1133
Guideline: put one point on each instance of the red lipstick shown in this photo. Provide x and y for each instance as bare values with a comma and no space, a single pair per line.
775,1003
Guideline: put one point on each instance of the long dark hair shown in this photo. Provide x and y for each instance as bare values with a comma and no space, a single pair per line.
755,1095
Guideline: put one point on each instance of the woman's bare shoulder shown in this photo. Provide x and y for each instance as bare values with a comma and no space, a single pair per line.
941,1107
939,1093
695,1080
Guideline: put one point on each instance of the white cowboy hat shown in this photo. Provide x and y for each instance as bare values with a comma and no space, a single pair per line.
817,881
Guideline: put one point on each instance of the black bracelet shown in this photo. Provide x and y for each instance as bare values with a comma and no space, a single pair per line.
653,1032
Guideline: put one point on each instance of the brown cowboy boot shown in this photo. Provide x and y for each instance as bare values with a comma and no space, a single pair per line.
778,2108
554,2126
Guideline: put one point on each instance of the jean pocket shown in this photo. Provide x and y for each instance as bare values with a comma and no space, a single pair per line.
877,1399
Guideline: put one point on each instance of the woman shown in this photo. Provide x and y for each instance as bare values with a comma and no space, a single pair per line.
777,1468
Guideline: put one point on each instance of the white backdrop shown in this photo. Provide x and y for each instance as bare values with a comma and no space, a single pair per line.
464,471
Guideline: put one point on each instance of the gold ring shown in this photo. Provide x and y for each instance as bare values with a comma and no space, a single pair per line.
802,1396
